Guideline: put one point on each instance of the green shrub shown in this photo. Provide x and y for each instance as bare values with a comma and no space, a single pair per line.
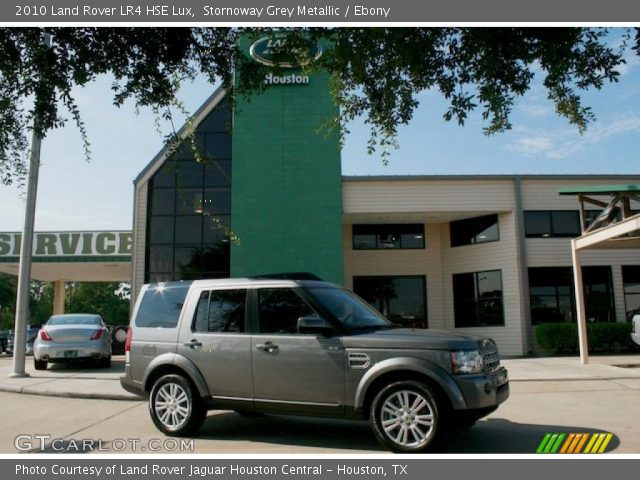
562,338
559,338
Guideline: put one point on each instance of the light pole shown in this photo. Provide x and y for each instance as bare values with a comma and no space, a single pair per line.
26,248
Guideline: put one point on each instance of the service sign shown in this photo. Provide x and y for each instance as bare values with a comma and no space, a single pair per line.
69,244
272,51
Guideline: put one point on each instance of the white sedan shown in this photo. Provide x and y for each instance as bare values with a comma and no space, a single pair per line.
70,338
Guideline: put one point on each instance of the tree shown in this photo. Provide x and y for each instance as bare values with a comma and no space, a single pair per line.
40,301
110,300
376,72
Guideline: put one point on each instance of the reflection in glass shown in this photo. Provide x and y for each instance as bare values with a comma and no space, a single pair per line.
402,299
194,196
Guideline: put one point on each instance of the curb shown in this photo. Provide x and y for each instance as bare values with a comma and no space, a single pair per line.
87,396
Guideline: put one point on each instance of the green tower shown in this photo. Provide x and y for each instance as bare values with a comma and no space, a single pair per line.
287,185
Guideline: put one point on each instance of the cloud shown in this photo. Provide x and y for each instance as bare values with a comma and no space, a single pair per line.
632,60
536,109
559,144
532,145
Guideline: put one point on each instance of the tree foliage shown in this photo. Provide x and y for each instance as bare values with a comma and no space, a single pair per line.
111,300
377,72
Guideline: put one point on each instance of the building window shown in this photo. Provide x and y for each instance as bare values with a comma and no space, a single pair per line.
474,230
631,279
553,296
477,299
189,213
388,236
402,299
598,294
555,223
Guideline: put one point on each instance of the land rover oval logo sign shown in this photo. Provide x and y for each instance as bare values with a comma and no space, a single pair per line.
272,51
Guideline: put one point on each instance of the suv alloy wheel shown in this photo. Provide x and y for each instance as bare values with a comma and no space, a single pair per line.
406,417
174,406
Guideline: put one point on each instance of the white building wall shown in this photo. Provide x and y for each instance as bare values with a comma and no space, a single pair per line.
542,194
500,255
427,261
431,195
438,261
437,198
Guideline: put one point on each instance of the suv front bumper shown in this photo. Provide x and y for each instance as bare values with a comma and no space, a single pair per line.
484,391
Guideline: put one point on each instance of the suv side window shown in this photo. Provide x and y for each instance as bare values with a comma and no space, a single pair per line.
220,311
279,310
161,306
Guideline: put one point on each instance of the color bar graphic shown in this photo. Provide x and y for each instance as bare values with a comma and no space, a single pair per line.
572,443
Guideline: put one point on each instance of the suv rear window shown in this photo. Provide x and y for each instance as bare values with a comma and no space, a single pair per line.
161,306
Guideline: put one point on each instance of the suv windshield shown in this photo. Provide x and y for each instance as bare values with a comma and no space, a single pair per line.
351,311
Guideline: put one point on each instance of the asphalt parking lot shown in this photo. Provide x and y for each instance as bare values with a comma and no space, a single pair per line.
596,398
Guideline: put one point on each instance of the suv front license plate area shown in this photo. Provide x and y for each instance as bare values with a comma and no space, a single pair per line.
499,379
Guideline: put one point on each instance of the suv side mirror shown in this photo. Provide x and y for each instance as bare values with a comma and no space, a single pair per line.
314,325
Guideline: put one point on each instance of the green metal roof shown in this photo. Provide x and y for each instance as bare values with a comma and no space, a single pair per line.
600,189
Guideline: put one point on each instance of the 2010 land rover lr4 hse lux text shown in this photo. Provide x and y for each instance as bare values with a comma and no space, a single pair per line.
307,348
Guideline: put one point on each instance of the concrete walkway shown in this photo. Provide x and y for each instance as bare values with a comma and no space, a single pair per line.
86,381
71,381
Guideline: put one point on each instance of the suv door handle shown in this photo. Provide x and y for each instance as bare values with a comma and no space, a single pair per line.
193,343
267,347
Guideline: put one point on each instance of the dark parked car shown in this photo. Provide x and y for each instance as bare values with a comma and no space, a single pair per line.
4,337
32,332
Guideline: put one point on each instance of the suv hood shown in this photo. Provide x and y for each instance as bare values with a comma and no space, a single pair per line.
413,338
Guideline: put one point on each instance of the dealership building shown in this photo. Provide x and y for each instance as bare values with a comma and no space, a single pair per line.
480,254
262,193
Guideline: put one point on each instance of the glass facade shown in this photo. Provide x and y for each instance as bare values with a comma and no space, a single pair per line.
388,236
402,299
477,299
553,299
474,230
189,212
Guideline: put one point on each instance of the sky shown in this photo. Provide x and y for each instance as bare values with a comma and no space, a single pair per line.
74,194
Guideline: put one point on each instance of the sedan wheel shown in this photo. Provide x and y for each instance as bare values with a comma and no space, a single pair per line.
39,364
406,418
175,408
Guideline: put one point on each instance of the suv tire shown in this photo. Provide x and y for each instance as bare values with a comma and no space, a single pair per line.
406,418
174,406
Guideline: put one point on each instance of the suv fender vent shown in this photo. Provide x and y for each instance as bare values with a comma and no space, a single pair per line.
359,360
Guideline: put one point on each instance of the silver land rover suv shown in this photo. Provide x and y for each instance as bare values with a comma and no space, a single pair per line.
306,348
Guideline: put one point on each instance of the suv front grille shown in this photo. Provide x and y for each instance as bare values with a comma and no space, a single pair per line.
490,355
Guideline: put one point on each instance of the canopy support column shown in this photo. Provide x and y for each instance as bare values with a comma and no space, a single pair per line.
580,308
58,297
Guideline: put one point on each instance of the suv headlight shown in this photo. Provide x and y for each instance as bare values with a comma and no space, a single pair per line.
469,361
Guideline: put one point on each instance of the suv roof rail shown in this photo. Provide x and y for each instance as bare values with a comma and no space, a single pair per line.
287,276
